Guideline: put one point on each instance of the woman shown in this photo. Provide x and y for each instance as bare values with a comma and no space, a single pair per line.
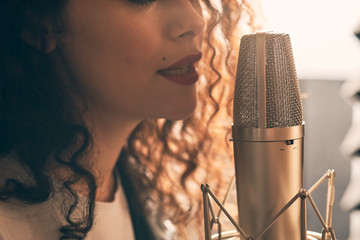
90,94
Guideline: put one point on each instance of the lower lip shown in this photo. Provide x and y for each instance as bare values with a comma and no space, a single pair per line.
189,78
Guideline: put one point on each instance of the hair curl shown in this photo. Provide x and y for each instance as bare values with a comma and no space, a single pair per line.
36,126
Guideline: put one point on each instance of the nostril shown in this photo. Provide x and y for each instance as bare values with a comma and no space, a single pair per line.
357,95
356,153
187,34
186,21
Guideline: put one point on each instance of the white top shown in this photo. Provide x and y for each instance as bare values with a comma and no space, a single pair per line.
41,222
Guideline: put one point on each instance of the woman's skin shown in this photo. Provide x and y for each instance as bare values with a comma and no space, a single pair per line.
113,50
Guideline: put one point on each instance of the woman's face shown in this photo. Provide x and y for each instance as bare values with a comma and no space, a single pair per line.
134,60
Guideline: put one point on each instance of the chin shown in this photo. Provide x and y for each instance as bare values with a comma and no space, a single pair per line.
181,112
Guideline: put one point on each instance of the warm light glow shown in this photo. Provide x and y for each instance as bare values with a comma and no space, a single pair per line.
321,32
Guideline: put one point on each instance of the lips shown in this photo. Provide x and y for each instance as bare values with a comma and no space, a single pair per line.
184,71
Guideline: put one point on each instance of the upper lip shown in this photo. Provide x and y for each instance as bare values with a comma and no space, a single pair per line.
190,59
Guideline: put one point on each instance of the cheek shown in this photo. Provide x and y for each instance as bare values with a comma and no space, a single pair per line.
111,65
115,64
135,51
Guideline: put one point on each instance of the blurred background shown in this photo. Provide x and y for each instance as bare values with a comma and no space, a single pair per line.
327,55
325,37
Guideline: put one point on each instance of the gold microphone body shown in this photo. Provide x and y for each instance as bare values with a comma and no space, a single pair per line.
268,166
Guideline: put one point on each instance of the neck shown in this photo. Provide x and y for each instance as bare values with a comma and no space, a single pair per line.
109,131
110,135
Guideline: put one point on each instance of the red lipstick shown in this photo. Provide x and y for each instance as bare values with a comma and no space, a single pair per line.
183,72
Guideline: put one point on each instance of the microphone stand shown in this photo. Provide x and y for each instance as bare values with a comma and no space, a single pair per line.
327,233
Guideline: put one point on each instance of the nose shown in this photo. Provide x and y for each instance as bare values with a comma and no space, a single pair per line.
187,21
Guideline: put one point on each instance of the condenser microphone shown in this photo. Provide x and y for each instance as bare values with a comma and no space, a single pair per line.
268,132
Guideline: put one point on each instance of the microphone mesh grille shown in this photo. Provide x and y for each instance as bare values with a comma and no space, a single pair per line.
283,102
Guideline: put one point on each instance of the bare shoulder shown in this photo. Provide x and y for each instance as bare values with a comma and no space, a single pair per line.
12,226
20,221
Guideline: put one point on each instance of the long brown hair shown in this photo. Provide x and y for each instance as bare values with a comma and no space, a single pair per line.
168,159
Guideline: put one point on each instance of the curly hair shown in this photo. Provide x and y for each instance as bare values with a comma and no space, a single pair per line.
167,160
